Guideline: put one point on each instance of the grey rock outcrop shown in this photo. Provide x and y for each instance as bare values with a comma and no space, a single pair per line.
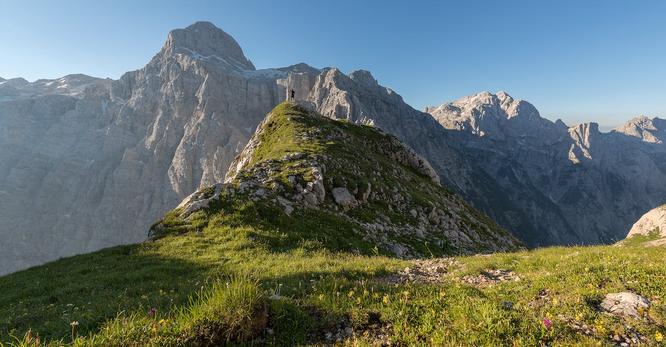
625,304
651,223
343,197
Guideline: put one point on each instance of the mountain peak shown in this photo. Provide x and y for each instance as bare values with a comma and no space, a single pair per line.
203,40
364,77
647,129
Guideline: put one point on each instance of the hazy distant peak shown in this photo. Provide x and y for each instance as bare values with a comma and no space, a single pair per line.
301,68
482,105
647,129
17,82
203,40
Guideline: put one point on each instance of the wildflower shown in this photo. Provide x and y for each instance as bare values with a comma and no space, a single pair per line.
547,323
658,337
386,299
152,312
601,329
555,301
162,321
365,292
350,294
321,296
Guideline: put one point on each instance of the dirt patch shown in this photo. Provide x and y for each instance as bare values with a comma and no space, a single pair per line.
491,277
423,271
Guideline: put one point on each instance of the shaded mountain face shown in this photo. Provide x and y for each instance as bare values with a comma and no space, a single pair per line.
363,186
598,183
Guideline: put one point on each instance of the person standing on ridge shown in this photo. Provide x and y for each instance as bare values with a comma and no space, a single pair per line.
292,95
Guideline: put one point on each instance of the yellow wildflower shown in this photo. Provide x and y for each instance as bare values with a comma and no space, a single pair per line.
386,299
658,337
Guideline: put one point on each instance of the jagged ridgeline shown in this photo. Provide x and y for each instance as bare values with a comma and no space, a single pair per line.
342,186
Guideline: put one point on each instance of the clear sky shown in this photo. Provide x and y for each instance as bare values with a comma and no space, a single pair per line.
579,60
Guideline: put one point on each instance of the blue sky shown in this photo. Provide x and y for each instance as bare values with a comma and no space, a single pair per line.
601,61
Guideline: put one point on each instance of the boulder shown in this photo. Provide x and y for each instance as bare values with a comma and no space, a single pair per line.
626,304
343,197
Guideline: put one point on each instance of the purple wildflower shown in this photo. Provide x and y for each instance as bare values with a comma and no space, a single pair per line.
547,323
152,312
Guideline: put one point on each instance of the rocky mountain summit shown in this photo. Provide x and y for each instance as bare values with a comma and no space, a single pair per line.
592,185
310,168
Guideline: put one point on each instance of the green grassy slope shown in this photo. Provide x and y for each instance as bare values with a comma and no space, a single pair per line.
243,272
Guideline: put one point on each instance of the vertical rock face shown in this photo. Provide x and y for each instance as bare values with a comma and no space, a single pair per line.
88,163
597,183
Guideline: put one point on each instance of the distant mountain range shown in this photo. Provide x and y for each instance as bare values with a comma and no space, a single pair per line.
588,186
87,163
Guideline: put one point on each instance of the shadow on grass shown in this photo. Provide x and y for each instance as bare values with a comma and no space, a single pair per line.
93,288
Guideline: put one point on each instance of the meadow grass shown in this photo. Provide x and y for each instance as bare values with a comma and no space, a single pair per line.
165,292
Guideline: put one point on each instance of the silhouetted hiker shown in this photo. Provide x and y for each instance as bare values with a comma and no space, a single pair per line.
293,95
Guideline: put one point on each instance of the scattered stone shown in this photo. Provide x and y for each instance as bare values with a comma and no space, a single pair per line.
491,277
423,271
625,304
293,156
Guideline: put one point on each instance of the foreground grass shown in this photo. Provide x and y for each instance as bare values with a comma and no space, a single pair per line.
165,292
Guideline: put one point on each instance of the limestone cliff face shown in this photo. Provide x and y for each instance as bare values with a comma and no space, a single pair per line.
88,163
598,183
